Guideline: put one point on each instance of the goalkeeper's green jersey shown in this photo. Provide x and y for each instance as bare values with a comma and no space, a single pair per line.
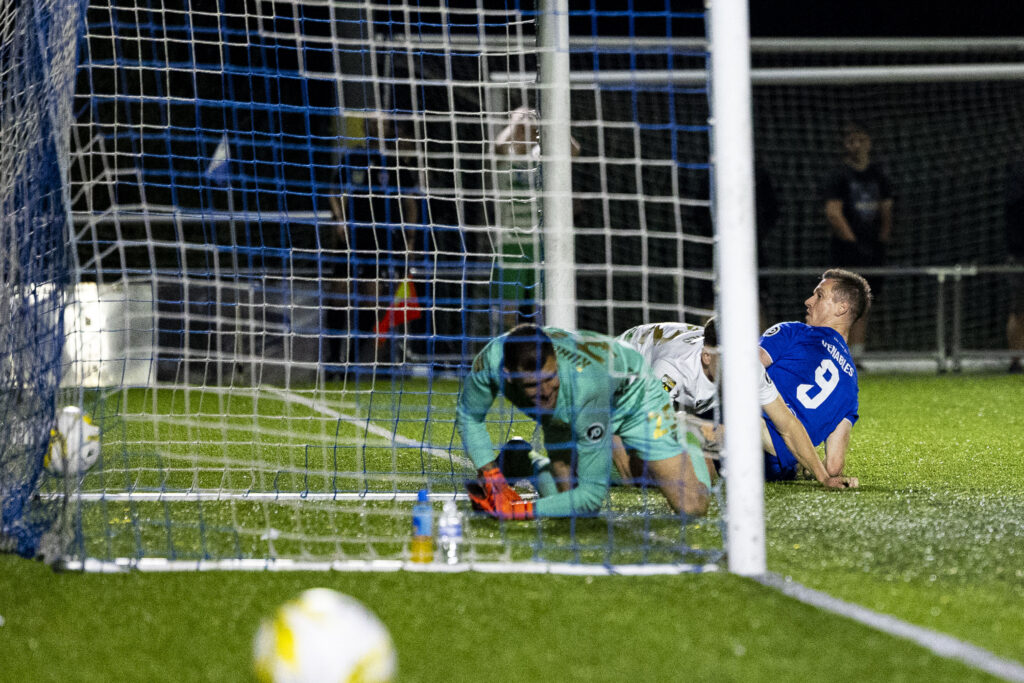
605,388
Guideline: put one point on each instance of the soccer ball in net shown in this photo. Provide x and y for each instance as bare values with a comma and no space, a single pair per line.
74,444
323,636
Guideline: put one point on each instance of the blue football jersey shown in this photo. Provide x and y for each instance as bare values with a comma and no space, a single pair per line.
814,372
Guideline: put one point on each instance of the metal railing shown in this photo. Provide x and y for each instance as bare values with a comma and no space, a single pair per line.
937,312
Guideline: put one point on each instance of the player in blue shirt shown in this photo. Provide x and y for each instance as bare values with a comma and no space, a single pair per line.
814,372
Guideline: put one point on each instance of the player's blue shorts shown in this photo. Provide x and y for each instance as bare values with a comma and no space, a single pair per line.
779,468
783,465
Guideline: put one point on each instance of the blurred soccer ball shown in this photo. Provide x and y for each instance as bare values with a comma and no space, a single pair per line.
74,443
323,636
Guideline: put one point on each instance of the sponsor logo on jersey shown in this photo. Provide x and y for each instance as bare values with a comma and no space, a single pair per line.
594,432
668,383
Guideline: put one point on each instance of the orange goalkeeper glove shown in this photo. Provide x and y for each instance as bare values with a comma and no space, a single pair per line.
502,507
497,498
495,484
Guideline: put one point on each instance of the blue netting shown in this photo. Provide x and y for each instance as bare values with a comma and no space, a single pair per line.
37,59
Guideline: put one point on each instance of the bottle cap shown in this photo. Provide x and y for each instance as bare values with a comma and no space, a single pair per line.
421,496
449,506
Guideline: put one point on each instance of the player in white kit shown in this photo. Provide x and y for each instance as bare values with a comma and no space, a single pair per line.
685,358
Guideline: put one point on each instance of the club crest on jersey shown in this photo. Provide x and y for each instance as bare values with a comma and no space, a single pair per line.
773,330
594,432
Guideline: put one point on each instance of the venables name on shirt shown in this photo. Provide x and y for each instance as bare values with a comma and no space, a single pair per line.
839,358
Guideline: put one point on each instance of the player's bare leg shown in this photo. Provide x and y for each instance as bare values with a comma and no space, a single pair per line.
562,472
678,482
621,460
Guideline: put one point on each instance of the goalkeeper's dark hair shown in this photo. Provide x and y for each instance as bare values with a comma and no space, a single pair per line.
710,332
526,348
851,288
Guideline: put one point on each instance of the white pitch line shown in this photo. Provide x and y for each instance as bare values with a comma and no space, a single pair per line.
145,564
197,496
369,426
939,643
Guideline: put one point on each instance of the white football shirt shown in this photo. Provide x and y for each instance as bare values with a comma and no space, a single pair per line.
673,352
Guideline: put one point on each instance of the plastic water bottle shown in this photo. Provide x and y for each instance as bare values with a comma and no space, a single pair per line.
422,547
449,530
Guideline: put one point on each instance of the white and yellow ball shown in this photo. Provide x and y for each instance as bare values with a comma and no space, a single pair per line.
74,443
324,635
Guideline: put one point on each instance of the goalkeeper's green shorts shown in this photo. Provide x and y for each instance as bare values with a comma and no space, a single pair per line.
654,435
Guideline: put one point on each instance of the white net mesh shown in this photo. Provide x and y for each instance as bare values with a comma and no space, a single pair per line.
296,226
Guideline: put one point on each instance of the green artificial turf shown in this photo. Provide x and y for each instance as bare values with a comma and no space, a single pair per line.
934,536
461,627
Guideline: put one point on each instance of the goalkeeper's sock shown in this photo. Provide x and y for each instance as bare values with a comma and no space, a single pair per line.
544,481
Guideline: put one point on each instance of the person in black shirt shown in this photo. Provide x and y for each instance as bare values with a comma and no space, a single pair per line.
767,212
859,210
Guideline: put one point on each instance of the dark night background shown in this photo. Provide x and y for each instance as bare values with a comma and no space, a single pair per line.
832,18
824,18
279,124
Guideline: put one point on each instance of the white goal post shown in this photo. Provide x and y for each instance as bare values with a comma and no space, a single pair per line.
732,156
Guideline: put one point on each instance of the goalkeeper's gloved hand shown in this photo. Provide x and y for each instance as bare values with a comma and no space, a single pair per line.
494,482
495,497
501,507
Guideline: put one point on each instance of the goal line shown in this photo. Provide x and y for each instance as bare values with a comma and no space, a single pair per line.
159,565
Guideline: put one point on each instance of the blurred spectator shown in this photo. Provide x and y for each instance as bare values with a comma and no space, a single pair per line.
375,206
766,207
1015,257
859,210
520,197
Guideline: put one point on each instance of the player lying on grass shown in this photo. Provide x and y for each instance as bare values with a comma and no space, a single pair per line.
812,367
581,387
686,357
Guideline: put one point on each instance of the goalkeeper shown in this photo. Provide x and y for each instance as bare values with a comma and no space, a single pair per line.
581,388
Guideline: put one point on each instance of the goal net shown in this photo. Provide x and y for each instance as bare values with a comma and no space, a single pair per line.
296,223
37,60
